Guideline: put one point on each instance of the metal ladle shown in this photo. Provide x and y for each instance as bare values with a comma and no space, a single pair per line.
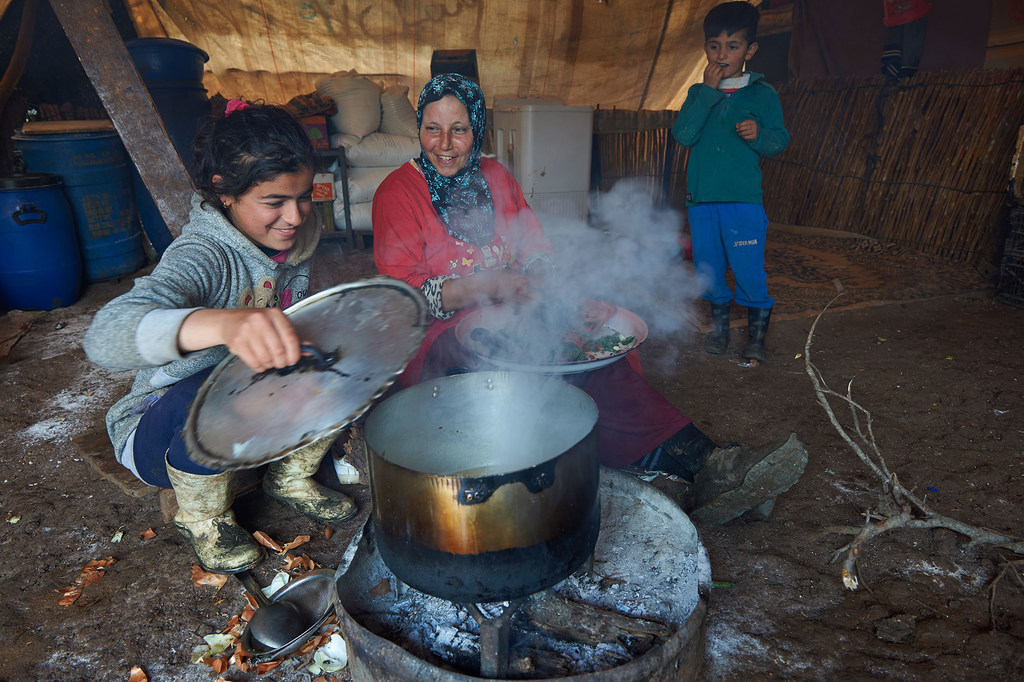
274,624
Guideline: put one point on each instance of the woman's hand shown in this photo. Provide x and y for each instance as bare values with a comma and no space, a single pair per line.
262,338
501,285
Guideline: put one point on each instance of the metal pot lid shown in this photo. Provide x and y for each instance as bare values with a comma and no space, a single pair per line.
362,335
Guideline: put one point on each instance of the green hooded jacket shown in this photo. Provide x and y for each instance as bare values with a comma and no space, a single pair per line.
723,166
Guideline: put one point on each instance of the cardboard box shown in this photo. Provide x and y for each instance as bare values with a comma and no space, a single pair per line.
323,187
323,199
316,129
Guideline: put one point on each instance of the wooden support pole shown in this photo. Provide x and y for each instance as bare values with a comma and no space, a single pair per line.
110,69
21,49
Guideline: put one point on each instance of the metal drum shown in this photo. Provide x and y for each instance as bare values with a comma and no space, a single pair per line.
97,181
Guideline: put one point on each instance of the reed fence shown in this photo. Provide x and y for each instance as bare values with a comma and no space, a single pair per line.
925,163
638,145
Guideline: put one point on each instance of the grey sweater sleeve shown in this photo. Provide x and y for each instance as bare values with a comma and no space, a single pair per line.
140,328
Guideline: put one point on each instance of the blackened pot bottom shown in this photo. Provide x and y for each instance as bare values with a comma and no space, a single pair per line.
489,576
648,563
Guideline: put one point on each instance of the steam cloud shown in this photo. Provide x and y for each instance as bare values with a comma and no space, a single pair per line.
628,255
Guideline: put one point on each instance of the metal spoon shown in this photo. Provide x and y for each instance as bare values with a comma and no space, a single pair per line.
274,624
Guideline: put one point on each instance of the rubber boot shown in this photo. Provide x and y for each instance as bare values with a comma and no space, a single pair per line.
289,481
683,454
205,519
757,330
717,341
738,479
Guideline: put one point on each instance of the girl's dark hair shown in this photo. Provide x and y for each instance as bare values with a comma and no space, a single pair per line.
246,147
732,17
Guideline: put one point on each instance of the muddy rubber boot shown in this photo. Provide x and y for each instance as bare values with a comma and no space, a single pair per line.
289,481
205,519
738,479
757,330
717,340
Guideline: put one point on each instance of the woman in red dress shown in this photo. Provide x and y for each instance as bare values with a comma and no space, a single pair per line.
457,226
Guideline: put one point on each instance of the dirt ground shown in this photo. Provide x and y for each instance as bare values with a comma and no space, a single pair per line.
943,379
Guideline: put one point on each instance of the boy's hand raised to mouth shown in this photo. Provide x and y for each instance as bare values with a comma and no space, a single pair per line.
713,75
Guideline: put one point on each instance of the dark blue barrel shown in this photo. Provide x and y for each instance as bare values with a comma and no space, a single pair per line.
97,181
40,265
173,73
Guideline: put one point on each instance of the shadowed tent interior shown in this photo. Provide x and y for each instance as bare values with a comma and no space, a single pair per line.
904,195
924,163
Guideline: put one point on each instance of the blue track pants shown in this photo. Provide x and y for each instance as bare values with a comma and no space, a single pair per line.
731,235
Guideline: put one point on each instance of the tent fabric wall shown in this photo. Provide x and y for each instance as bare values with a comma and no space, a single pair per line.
640,54
843,38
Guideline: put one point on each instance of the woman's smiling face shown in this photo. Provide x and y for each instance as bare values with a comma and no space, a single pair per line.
446,135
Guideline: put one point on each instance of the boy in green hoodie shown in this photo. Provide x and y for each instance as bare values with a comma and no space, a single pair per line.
729,121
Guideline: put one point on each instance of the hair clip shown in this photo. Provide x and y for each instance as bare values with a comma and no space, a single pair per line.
235,105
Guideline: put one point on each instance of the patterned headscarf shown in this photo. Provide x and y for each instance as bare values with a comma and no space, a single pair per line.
463,201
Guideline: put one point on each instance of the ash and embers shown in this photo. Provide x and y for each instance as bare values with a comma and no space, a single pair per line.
648,571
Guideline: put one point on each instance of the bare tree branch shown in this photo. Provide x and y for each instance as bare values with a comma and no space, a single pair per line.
898,507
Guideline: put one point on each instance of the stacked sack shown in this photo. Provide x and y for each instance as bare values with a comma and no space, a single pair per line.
377,128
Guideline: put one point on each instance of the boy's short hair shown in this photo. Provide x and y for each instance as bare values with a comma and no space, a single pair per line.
732,17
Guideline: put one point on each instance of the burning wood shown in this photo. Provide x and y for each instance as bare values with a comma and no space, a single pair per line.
592,625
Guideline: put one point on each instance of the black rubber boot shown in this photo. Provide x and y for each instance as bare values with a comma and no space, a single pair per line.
757,330
682,454
717,341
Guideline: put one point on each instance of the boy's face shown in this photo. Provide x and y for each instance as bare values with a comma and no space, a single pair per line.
729,52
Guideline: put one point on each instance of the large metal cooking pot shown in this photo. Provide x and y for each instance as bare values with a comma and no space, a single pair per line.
484,485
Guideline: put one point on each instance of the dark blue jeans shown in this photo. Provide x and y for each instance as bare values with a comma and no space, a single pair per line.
159,433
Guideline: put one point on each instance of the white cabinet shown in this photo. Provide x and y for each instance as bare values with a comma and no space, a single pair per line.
546,145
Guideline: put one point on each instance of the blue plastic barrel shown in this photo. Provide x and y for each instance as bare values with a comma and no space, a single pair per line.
173,73
97,181
40,264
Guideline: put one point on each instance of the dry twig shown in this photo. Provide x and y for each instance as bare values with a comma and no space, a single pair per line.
1012,567
897,506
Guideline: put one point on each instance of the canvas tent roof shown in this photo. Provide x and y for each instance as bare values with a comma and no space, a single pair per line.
635,54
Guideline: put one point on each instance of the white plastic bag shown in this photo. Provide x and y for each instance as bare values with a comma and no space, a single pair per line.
397,115
358,101
378,149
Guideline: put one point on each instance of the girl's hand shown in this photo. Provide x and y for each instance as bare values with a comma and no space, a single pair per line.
747,129
262,338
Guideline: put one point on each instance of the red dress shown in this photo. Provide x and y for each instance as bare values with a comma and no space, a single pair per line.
411,243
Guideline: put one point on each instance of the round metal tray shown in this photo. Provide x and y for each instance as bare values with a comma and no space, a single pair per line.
496,317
